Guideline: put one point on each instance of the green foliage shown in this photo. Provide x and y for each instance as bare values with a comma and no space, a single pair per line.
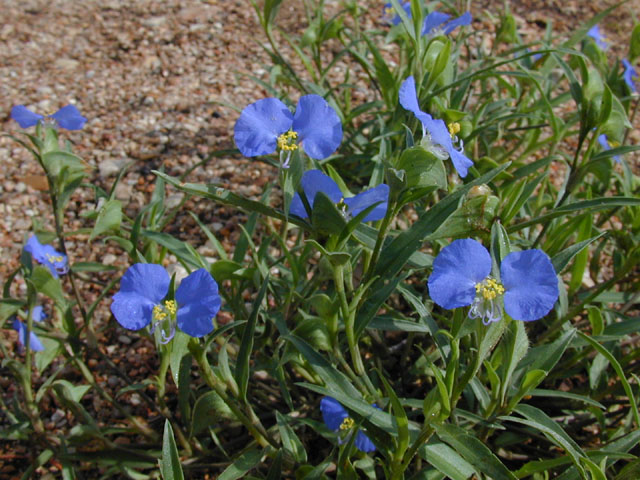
332,306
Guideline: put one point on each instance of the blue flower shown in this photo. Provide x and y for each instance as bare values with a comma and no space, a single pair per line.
46,255
67,117
594,32
141,301
631,77
337,419
436,22
314,181
38,315
267,125
528,284
389,16
439,134
604,143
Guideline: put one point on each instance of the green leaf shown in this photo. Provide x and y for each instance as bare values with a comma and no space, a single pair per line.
398,325
562,259
170,466
71,391
109,219
616,366
634,43
446,460
47,285
246,346
290,440
208,410
540,421
583,205
474,451
92,267
179,348
242,465
401,421
422,168
180,249
326,217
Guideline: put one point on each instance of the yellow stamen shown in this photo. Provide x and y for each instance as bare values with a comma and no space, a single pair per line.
286,141
347,424
54,258
454,128
161,312
614,144
489,289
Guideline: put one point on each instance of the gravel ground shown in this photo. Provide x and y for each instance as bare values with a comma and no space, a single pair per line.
155,79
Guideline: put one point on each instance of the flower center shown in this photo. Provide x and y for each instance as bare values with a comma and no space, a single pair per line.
164,319
454,129
487,303
347,424
58,263
287,141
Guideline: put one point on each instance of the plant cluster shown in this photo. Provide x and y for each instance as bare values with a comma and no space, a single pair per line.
440,282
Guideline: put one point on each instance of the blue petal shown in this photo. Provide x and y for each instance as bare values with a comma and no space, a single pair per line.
143,286
69,117
388,10
460,162
318,126
38,314
364,443
47,256
25,117
408,96
531,284
332,413
314,181
433,21
629,75
456,271
297,207
464,19
198,303
259,125
34,342
594,32
604,143
365,199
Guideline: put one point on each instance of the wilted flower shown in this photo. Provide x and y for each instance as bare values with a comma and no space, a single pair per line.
267,125
141,301
46,255
440,134
604,143
594,32
314,181
338,420
390,16
631,77
436,22
67,117
38,315
528,284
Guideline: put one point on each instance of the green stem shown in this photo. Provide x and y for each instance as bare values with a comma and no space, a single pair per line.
249,420
349,320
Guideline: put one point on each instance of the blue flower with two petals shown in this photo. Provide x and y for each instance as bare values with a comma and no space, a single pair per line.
267,125
528,285
594,33
631,77
603,140
67,117
38,315
439,133
437,22
390,16
314,181
46,255
141,301
338,420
